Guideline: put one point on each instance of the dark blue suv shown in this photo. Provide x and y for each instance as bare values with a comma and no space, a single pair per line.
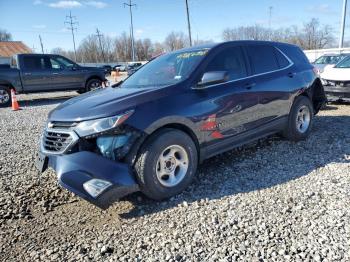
151,131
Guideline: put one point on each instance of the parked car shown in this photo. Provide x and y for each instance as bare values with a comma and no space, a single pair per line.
107,69
328,60
31,73
133,68
151,131
336,80
119,68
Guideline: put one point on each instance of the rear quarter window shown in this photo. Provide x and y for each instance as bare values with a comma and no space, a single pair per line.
262,58
296,55
281,59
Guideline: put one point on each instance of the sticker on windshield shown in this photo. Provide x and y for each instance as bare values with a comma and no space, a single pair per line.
177,77
191,54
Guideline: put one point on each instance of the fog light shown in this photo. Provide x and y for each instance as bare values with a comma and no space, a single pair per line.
96,186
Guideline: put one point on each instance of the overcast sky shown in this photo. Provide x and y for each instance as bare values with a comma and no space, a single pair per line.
154,19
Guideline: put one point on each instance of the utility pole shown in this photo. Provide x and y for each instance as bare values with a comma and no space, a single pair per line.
342,27
98,34
130,5
188,23
71,25
41,43
270,16
270,22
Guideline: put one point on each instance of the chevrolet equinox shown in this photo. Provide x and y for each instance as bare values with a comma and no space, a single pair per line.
151,131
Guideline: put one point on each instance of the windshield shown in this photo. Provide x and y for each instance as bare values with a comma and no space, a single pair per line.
345,63
329,59
166,70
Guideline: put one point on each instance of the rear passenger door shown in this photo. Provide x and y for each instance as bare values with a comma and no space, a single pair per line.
34,73
273,79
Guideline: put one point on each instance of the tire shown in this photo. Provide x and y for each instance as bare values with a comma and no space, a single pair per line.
300,120
150,168
93,84
5,96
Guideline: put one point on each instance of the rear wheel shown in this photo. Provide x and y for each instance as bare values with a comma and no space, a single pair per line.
5,96
167,164
300,119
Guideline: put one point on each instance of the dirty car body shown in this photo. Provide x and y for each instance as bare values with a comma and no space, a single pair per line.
94,140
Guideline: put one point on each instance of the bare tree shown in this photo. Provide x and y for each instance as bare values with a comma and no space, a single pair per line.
122,47
143,49
175,40
254,32
311,36
5,36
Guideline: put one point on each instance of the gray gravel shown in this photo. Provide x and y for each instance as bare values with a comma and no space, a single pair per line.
270,201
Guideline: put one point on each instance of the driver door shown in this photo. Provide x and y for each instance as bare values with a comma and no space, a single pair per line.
66,74
232,106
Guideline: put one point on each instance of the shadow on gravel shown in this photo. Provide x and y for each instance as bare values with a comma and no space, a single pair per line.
40,101
261,165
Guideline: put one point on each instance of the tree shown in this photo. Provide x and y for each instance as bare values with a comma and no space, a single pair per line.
5,36
175,40
311,36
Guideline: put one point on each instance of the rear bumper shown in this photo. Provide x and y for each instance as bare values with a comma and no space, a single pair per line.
73,170
337,92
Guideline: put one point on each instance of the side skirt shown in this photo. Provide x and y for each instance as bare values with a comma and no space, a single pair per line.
270,128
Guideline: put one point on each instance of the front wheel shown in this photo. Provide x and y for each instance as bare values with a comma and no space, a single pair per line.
167,164
300,119
5,96
93,84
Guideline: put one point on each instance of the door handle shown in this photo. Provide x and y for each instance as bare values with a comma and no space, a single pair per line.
250,85
27,74
55,73
291,74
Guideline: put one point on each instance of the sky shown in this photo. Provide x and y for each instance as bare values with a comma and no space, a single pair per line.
154,19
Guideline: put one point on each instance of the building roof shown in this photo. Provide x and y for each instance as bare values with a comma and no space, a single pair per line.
10,48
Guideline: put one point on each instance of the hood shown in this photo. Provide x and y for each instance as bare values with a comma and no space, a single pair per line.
101,103
336,74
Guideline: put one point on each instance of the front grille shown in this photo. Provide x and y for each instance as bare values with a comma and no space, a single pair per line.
56,142
62,125
338,83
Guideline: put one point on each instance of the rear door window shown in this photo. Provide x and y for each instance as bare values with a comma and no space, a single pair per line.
281,59
262,58
34,63
230,60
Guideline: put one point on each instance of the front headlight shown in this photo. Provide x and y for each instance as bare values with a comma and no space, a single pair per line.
324,82
87,128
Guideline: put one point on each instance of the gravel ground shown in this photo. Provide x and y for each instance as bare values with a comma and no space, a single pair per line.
270,201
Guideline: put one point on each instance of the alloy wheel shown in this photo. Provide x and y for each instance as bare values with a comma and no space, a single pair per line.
172,165
303,119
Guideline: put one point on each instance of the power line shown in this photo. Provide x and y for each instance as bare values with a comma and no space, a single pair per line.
41,44
98,34
130,5
71,25
188,23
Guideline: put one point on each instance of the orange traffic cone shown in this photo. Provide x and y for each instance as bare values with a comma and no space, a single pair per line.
15,105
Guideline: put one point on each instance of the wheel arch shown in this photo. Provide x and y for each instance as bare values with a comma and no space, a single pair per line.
316,95
7,84
155,130
93,77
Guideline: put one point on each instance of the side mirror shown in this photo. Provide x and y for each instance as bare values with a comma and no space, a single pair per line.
212,78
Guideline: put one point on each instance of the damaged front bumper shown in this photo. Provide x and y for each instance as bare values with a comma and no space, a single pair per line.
94,178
